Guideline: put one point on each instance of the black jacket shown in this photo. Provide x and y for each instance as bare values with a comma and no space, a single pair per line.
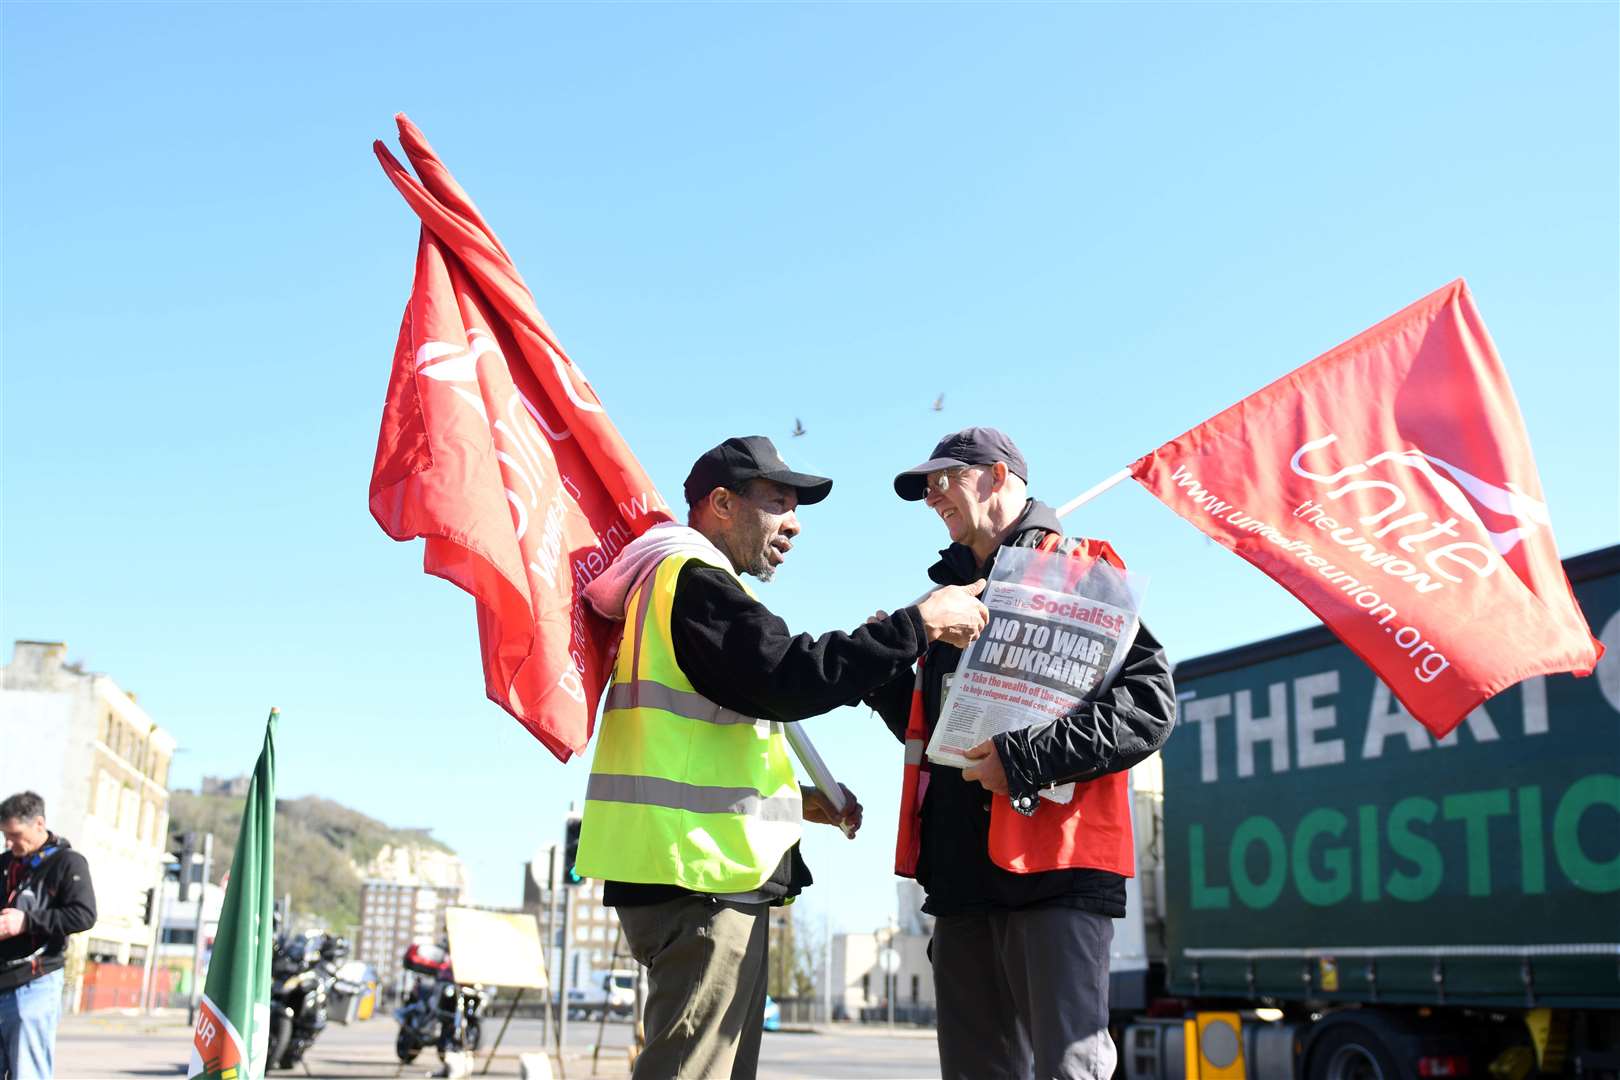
1122,727
739,655
53,890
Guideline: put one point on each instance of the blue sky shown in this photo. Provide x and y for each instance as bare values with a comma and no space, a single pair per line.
1091,226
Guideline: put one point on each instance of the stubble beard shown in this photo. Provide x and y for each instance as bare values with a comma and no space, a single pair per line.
749,554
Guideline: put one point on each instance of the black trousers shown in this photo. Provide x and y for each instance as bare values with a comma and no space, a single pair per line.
1023,995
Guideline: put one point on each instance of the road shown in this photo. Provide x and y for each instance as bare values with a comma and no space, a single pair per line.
105,1045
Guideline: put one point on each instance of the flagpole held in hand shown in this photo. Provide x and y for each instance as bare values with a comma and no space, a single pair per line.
820,775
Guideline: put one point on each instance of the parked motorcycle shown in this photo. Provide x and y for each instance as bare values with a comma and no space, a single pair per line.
304,973
439,1011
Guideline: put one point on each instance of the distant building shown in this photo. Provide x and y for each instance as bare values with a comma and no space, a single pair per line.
593,929
860,989
396,915
236,787
595,932
910,897
102,767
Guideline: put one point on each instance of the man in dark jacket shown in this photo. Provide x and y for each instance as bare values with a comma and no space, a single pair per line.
1020,958
47,897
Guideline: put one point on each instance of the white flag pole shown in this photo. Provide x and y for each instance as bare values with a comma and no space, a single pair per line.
820,775
1091,493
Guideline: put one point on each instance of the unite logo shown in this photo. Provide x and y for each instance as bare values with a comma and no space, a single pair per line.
1467,497
516,431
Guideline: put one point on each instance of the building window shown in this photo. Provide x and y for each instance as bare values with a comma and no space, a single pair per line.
866,987
916,988
126,808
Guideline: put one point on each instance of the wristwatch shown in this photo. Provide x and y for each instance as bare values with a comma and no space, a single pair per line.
1024,804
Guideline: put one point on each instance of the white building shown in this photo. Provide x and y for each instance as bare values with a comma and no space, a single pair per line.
859,987
859,983
102,767
394,916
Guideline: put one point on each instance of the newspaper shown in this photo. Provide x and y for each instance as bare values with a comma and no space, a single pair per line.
1059,630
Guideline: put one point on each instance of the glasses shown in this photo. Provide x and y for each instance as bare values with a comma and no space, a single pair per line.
942,480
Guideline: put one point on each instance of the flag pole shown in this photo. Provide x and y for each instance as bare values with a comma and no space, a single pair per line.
1091,493
820,775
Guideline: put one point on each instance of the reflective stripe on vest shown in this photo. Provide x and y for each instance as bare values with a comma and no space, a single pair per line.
683,791
1093,831
687,703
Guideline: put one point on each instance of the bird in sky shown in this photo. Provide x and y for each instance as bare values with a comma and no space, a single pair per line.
939,403
798,428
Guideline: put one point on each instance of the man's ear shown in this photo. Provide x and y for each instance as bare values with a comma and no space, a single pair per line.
998,476
722,503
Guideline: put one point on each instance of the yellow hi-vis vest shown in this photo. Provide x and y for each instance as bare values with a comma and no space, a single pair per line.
682,791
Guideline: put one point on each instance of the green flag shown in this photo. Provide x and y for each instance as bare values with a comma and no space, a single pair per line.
233,1023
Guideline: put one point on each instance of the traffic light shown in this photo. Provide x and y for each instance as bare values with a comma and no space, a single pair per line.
188,853
570,875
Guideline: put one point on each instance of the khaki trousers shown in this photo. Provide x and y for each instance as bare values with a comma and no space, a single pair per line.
706,965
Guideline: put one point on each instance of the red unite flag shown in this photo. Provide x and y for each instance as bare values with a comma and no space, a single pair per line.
1388,484
495,450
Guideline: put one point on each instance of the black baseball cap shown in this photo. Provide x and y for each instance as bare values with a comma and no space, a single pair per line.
738,460
970,446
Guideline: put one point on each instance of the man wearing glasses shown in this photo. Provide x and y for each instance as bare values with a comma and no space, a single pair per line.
692,810
1023,889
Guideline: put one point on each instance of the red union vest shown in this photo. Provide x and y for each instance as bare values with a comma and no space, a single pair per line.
1093,831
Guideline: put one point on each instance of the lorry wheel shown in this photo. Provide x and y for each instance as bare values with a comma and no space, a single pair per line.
1352,1052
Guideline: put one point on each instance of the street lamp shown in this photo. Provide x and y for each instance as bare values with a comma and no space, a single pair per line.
889,961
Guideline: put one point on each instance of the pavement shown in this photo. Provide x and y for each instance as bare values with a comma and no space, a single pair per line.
94,1046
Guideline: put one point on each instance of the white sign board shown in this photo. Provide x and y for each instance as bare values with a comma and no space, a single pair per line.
495,948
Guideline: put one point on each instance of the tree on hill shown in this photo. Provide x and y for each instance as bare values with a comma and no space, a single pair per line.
321,849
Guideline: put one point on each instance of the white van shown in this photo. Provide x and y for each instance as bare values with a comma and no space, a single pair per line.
613,992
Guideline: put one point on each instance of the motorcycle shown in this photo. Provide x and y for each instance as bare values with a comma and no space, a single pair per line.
304,973
440,1011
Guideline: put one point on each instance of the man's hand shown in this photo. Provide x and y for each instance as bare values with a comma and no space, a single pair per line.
988,772
818,808
12,923
879,617
953,614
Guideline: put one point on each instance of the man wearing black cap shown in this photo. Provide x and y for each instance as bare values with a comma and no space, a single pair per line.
692,811
1023,889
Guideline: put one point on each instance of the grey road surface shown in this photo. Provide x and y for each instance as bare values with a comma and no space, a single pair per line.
106,1045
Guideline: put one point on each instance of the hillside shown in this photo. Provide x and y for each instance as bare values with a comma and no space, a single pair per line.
322,849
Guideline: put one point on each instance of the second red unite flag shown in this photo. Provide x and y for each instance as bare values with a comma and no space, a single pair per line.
1389,485
495,449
